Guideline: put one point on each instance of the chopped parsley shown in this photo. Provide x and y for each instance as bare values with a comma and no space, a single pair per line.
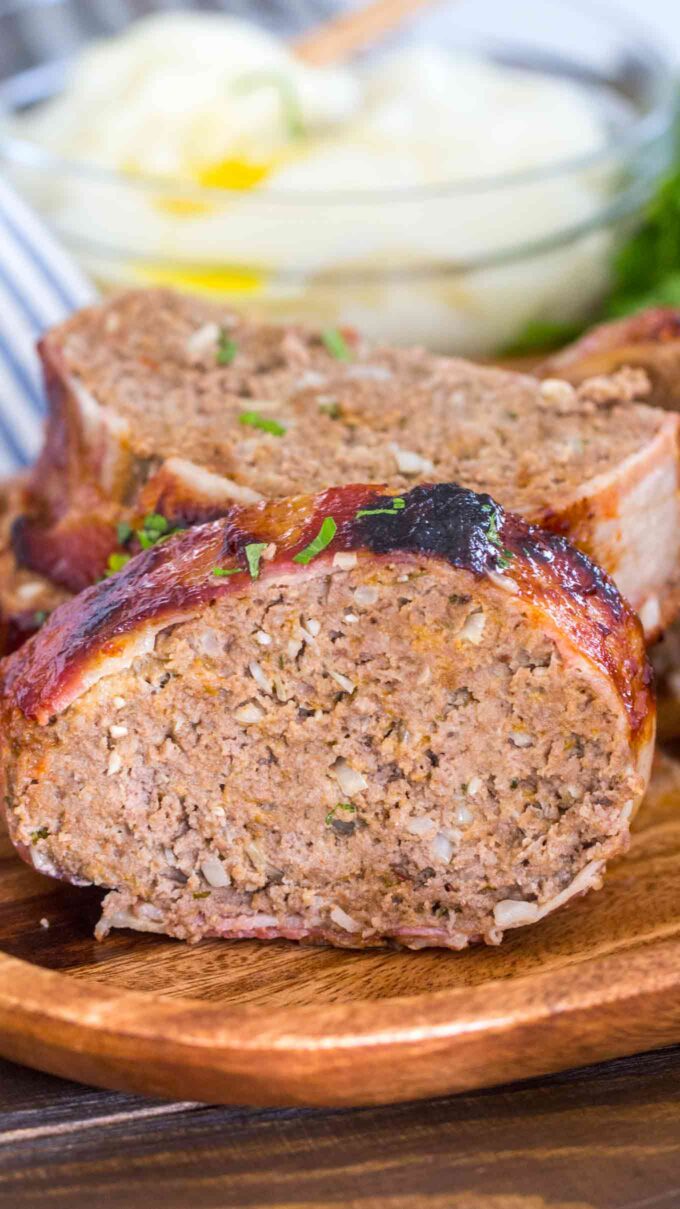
492,534
254,419
115,563
334,342
396,506
226,348
348,806
202,894
219,571
323,538
40,617
41,834
254,553
155,528
492,527
156,522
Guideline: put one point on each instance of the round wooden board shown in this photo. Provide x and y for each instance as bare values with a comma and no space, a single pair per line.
280,1024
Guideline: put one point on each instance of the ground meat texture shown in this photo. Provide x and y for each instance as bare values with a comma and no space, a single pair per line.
649,340
379,744
147,415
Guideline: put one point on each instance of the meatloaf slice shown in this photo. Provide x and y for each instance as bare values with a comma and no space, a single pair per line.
355,717
649,340
155,393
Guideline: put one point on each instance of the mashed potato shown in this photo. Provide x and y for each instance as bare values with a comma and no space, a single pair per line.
342,203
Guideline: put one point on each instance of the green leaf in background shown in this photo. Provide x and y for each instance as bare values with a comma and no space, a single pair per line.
645,271
541,335
647,267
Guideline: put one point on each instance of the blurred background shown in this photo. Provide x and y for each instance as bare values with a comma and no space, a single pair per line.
661,19
490,178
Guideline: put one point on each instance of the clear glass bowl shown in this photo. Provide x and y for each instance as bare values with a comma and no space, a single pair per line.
459,267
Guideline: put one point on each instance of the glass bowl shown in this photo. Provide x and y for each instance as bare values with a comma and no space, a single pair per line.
465,267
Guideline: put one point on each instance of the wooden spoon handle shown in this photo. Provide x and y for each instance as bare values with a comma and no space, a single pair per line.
337,40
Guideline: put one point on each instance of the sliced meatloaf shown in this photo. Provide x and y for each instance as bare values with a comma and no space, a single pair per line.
355,717
649,340
165,403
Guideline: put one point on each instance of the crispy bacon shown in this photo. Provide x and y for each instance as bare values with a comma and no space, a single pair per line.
109,624
72,553
95,472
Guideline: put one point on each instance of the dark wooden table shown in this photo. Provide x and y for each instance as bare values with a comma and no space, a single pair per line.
603,1138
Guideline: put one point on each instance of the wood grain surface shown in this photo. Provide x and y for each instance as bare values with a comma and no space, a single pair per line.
606,1137
285,1024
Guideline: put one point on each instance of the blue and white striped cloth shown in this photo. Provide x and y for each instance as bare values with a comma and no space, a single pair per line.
39,286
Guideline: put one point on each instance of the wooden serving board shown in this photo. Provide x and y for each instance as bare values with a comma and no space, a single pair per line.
276,1023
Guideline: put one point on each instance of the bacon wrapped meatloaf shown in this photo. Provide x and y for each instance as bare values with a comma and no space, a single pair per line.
364,716
166,404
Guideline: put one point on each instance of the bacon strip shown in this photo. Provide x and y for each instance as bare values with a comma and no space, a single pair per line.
106,626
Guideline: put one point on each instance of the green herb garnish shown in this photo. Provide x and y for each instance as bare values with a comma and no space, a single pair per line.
123,532
41,834
40,617
254,419
647,267
335,343
201,894
254,553
115,563
323,538
156,522
505,556
348,806
397,504
155,528
226,348
492,527
219,571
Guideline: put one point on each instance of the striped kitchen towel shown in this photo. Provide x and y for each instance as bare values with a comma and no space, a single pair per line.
39,286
